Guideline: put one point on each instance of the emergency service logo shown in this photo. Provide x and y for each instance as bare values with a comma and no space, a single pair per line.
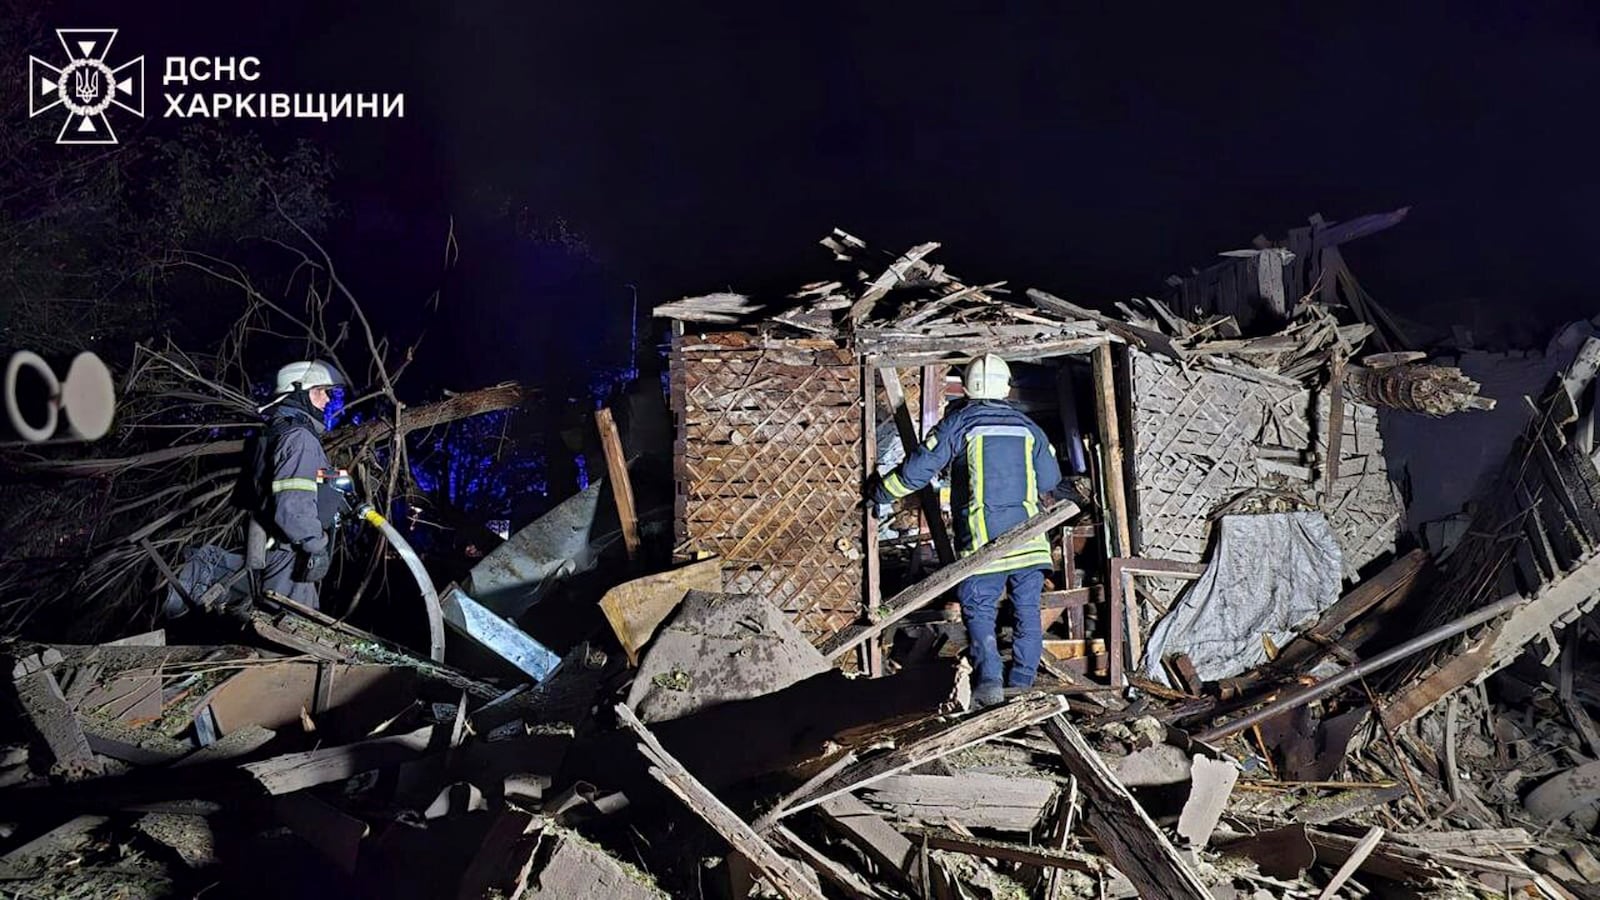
87,86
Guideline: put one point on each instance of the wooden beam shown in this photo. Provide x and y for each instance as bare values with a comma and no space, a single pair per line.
882,843
853,885
959,735
1109,423
928,589
1335,436
785,879
928,497
776,811
974,799
54,722
870,653
1033,855
297,771
621,485
1358,855
1124,831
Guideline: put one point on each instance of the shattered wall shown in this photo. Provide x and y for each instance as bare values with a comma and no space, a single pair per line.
767,467
1202,437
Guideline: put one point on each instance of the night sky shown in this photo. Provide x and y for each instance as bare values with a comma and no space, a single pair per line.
697,147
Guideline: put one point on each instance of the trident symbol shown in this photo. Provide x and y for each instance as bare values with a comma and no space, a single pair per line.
87,84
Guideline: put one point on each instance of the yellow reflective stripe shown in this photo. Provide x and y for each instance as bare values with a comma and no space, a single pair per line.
896,486
1030,501
295,484
975,522
1039,560
932,442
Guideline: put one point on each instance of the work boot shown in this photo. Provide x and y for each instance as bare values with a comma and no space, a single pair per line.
987,695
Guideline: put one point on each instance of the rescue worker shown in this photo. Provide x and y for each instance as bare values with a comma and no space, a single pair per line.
293,504
1001,462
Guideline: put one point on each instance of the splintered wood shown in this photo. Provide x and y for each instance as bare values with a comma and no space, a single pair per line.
769,461
785,878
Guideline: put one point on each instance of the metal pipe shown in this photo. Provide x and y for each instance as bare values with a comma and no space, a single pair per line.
1387,658
430,597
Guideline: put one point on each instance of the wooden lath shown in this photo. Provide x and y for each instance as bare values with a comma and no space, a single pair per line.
768,471
1203,437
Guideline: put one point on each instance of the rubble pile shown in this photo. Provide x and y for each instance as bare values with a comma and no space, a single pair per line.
1256,682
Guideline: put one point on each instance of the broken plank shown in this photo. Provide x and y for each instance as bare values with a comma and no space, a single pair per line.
298,771
959,735
1358,855
785,879
772,815
503,857
800,724
1471,841
882,843
888,280
975,800
930,588
1389,859
25,861
56,726
621,484
1124,831
847,881
1044,857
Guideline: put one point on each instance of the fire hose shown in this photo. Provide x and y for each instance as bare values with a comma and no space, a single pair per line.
430,597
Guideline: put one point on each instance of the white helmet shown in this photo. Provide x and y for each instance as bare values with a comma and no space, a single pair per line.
988,378
307,374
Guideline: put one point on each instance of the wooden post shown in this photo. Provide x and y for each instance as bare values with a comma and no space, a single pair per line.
1335,426
928,497
621,486
871,656
1105,402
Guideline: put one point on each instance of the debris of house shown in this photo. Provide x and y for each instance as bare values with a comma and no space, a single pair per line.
1260,682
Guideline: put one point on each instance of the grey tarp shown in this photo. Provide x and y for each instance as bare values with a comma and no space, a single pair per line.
1268,574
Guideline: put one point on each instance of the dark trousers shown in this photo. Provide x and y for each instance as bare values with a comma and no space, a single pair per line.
980,603
278,576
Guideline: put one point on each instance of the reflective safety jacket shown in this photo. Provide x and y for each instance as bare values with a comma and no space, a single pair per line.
1000,462
291,454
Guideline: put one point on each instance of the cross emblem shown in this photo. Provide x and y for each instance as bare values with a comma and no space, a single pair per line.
86,86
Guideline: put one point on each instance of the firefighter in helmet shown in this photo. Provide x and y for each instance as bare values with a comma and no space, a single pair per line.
294,503
1000,462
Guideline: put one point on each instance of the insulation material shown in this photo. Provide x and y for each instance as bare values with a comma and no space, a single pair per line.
720,647
1202,437
1270,573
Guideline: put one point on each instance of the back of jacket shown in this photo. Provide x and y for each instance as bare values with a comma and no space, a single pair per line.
1000,461
293,449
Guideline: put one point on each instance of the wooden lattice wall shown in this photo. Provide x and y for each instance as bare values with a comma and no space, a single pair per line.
768,470
1202,437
